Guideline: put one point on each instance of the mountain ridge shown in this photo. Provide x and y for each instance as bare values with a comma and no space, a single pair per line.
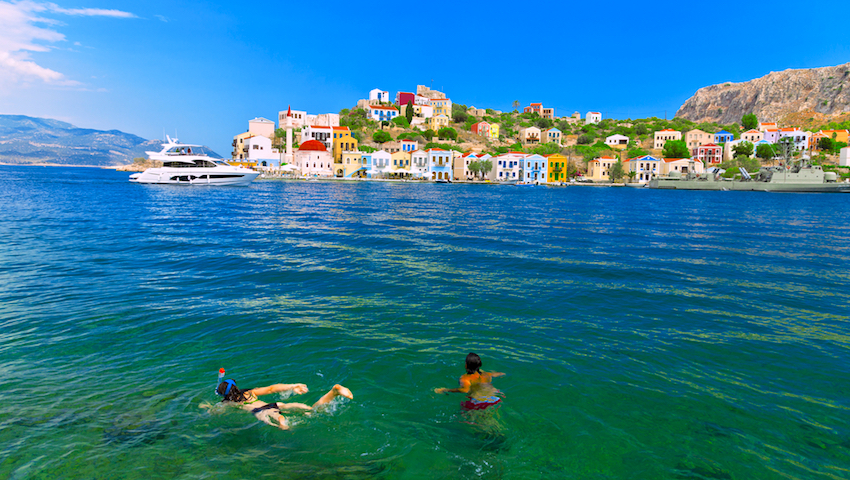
28,140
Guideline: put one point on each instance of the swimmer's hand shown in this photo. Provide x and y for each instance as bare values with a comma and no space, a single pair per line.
300,388
441,390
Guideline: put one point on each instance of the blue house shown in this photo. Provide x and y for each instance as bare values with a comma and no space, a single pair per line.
533,168
723,136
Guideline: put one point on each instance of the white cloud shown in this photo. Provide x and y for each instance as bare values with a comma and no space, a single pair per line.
24,30
162,18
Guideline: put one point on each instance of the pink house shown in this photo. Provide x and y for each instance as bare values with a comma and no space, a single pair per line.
534,108
710,154
481,128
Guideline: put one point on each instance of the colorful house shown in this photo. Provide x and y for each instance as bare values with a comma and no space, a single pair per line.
553,135
799,137
437,122
439,163
402,98
556,168
723,136
460,166
646,168
710,154
534,108
682,165
696,137
662,136
506,167
771,135
419,111
313,159
382,113
378,95
343,141
529,135
534,168
494,131
442,106
400,162
350,165
481,128
598,168
408,145
835,135
752,136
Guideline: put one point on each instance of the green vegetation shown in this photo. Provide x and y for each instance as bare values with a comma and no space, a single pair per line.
381,136
401,122
744,149
749,121
676,149
616,172
443,146
765,151
447,133
751,165
408,112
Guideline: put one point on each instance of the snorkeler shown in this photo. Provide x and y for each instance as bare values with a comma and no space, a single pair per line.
477,385
270,413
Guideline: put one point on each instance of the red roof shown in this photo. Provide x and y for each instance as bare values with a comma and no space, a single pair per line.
436,150
341,128
313,145
594,113
381,107
665,130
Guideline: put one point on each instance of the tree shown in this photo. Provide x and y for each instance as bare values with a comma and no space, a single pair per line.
516,104
429,134
381,136
765,151
485,166
447,133
640,129
743,149
616,172
676,149
584,139
408,112
460,116
750,121
474,167
401,122
825,143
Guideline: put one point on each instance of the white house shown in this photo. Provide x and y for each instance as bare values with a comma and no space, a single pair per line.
844,157
617,140
320,133
799,137
553,135
682,165
419,163
260,150
381,113
593,117
379,95
646,168
506,167
381,161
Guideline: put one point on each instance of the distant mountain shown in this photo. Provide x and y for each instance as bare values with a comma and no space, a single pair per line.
29,140
814,92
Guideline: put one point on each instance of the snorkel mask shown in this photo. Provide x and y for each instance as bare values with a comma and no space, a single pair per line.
230,384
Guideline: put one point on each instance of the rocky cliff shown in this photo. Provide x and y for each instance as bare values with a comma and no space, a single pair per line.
815,92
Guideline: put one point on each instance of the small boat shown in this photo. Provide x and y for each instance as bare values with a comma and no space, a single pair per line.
185,164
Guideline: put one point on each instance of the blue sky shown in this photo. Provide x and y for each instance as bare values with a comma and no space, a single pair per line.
202,69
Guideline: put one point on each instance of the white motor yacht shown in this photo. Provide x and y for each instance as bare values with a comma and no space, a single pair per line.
184,164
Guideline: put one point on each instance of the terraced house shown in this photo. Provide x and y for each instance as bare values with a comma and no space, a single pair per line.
662,136
557,167
646,168
439,164
534,168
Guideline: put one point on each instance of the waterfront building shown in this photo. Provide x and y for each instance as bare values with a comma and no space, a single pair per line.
382,113
400,162
696,137
534,168
593,117
350,165
529,135
378,95
366,165
598,168
617,141
723,136
710,154
320,133
343,141
381,161
419,163
552,135
313,159
662,136
460,166
440,163
506,167
646,167
556,167
835,135
682,165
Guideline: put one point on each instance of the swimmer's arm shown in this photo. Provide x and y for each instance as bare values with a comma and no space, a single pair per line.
495,374
463,388
298,388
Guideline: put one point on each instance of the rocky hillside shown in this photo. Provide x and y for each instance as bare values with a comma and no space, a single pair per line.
30,140
815,92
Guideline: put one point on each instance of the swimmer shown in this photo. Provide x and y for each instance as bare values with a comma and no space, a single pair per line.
270,413
477,385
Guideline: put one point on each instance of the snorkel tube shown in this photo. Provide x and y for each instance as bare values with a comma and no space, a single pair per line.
220,379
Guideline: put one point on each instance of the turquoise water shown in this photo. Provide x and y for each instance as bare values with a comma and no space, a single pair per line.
645,334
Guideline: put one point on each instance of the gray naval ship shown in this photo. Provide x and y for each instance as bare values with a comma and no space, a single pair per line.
800,176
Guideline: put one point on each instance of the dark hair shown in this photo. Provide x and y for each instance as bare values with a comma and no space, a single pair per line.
228,390
473,363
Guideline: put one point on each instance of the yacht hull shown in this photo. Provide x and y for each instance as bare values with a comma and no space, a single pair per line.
195,177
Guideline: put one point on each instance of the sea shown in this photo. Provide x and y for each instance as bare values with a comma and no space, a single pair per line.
643,334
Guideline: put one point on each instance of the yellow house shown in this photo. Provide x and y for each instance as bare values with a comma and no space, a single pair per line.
437,122
400,160
597,169
442,106
557,171
343,142
350,165
837,135
494,131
